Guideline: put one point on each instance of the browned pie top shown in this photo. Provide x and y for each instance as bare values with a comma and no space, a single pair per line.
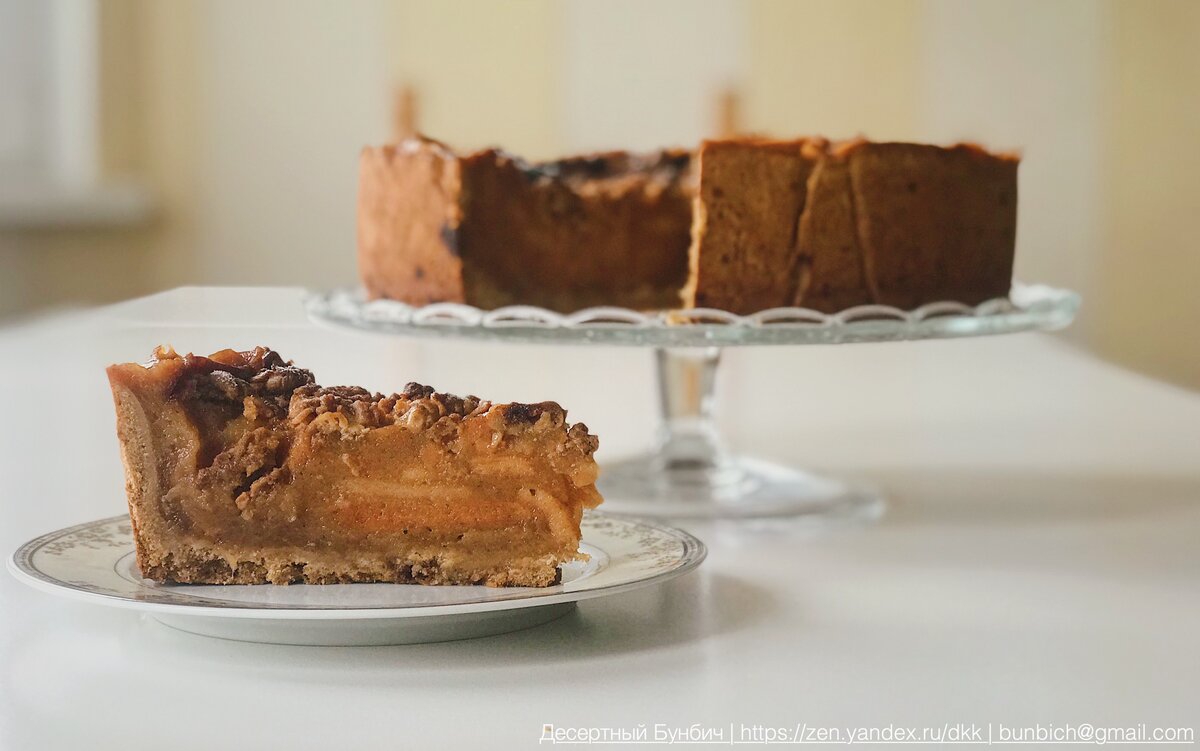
233,381
843,149
665,165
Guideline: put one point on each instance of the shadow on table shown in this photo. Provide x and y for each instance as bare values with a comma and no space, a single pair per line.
1018,497
651,622
1072,528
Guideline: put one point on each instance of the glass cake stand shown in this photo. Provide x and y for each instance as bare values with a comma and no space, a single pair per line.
691,472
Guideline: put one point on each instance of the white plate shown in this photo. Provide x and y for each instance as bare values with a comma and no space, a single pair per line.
95,562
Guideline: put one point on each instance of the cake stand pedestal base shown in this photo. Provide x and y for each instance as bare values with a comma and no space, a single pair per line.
748,489
690,474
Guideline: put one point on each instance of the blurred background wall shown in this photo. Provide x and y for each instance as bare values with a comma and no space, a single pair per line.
227,132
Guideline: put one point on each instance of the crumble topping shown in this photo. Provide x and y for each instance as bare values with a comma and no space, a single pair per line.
417,407
260,382
230,376
350,410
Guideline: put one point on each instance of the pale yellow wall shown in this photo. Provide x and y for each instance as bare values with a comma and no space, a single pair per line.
839,68
147,128
1147,300
244,120
485,73
1000,74
643,75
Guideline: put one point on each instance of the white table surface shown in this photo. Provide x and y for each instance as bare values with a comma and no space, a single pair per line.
1039,562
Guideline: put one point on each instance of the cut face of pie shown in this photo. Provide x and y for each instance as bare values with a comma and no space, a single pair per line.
490,229
240,470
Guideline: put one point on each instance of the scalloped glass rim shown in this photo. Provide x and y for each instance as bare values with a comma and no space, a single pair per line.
1029,307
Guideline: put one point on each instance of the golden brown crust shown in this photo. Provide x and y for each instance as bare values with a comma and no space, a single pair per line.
239,468
201,566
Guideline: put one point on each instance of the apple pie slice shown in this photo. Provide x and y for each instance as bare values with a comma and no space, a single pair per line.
241,470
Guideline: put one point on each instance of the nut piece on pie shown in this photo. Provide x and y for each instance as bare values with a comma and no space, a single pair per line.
240,470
